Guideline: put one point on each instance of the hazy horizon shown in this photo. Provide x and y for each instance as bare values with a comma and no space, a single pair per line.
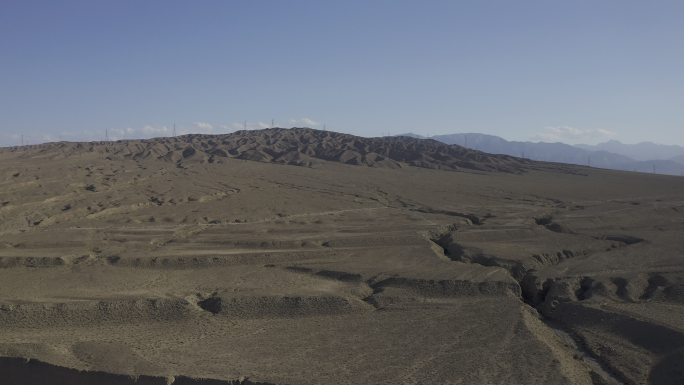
168,131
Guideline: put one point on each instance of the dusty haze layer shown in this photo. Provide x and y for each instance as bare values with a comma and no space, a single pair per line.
309,257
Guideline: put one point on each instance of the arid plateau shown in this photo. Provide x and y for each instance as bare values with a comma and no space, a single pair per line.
298,256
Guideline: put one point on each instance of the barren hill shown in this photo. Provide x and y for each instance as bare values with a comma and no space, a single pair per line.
296,146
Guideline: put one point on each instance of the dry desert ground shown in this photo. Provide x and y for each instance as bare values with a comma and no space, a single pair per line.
309,257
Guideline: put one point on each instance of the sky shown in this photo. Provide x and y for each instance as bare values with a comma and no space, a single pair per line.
581,71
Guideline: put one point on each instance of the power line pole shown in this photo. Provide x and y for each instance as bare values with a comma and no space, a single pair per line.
106,135
174,129
272,123
244,125
22,139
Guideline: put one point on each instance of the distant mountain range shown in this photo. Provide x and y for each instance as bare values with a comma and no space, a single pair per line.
641,157
644,151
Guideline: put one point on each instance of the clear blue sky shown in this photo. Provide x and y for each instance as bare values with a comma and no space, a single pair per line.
578,71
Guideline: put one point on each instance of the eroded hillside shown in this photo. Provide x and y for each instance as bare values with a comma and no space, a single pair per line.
183,259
